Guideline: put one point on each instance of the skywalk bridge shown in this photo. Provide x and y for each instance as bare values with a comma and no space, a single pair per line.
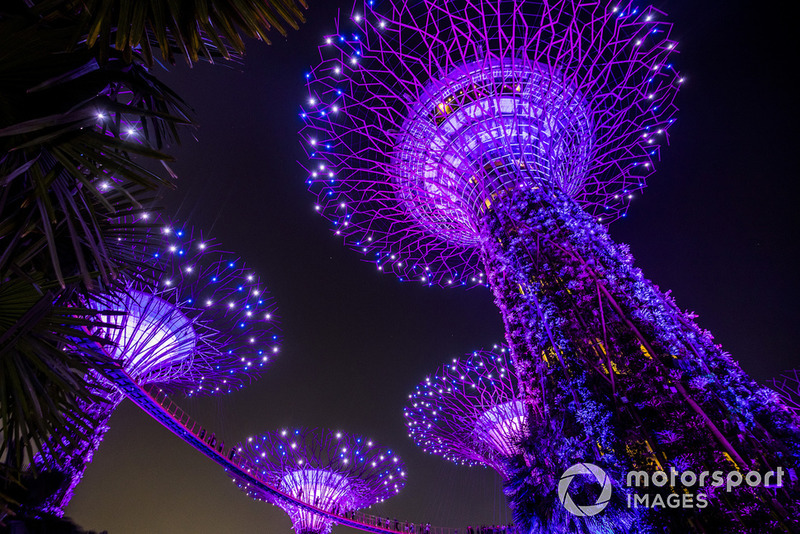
158,406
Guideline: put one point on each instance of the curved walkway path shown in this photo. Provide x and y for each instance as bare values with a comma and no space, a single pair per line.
158,406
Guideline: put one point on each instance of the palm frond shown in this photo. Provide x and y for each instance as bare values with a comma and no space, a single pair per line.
41,380
74,139
191,30
75,187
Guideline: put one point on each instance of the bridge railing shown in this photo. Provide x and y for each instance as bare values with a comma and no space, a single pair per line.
373,523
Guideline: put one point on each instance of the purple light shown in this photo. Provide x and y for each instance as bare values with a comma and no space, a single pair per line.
202,329
788,388
74,456
502,427
496,111
328,490
470,412
151,337
490,143
330,470
436,129
160,336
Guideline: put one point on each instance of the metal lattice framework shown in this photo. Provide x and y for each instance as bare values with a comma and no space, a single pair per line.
490,142
470,412
330,470
420,115
203,328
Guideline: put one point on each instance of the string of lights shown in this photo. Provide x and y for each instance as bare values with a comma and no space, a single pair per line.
470,411
331,470
203,328
490,143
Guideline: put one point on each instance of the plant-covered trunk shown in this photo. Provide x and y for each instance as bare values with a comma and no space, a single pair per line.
75,456
616,375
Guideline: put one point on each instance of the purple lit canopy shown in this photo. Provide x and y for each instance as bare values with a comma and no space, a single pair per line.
422,113
202,328
470,411
207,325
490,142
331,470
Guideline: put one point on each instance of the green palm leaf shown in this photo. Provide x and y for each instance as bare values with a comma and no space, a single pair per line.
209,29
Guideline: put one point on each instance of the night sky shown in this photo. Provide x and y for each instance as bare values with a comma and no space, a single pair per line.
718,225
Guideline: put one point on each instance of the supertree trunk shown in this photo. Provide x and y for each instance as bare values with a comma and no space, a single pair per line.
75,456
616,375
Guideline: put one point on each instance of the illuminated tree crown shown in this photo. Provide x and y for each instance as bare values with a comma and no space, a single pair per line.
422,113
203,328
470,411
333,471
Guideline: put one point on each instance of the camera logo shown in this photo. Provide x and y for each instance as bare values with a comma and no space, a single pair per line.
566,499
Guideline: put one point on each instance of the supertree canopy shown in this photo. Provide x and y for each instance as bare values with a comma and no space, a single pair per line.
204,327
470,411
332,471
421,118
490,142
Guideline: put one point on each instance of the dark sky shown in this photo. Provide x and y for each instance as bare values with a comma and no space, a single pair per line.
718,225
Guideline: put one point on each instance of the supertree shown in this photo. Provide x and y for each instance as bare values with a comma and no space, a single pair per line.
470,412
204,327
330,470
490,142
